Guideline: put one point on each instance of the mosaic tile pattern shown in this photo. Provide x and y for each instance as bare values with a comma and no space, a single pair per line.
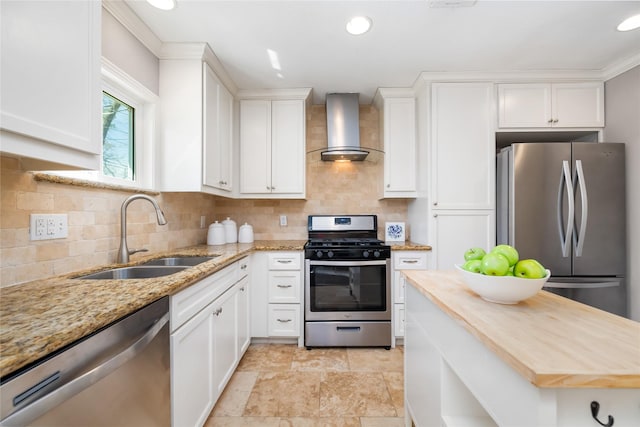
288,386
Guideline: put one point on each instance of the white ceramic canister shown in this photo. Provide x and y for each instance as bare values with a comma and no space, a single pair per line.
230,230
216,234
245,234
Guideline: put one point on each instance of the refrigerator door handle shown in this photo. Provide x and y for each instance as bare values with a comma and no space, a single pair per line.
579,235
581,285
565,235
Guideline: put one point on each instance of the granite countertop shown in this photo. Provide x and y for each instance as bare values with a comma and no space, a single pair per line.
42,316
408,246
550,340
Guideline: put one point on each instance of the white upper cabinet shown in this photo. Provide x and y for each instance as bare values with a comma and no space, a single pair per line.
398,130
50,88
196,122
272,147
462,146
557,105
218,125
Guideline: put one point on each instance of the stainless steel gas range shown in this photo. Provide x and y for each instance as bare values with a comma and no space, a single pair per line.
347,286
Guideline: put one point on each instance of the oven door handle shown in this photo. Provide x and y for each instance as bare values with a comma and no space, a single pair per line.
349,263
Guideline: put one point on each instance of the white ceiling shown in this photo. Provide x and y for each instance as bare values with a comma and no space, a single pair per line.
407,38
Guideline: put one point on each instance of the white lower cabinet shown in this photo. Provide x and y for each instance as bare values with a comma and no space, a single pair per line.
403,260
207,346
276,298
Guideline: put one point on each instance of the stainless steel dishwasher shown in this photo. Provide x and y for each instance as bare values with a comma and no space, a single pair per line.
117,376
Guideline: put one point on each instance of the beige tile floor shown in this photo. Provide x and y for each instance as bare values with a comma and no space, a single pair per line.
288,386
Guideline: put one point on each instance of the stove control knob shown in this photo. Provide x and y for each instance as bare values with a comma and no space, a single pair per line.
319,254
376,254
365,254
330,254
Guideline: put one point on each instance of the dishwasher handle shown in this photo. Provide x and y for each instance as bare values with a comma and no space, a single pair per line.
41,406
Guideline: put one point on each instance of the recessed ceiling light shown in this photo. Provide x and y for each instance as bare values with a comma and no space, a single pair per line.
358,25
163,4
630,23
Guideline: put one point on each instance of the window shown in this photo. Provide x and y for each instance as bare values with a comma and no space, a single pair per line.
118,141
128,132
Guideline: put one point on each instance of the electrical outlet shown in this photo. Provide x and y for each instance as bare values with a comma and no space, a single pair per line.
203,221
283,220
48,226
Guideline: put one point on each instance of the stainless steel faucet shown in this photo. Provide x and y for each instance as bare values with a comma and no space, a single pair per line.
124,252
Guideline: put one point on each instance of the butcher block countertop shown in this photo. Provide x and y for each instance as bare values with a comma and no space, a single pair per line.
551,341
42,316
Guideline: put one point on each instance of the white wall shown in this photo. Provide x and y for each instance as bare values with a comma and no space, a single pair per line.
622,111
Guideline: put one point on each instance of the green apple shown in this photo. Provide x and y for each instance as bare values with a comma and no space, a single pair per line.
473,265
494,264
474,253
529,269
509,252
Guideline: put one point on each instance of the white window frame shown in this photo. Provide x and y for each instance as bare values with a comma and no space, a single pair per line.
120,85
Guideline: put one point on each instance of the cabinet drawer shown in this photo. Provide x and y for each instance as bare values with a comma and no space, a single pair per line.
284,286
284,261
185,304
244,267
284,320
410,260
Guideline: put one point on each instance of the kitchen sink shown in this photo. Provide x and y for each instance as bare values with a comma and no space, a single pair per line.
188,261
135,272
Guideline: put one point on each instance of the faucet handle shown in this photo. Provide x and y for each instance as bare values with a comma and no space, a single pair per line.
133,251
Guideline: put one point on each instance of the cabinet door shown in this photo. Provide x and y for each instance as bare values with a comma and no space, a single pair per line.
524,105
456,231
192,371
244,332
218,116
50,86
463,146
578,104
259,294
255,146
288,147
224,338
399,135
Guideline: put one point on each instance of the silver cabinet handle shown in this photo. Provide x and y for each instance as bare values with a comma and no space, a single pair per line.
435,203
550,121
243,267
579,236
435,215
284,286
555,120
409,261
565,235
284,261
218,312
284,320
41,406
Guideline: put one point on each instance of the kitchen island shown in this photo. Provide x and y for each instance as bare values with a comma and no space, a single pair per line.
541,362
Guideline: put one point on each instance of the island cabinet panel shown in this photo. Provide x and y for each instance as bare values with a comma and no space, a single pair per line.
529,364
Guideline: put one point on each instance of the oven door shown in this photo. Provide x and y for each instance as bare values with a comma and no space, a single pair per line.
347,290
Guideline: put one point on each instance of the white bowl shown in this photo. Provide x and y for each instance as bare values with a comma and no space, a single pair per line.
502,289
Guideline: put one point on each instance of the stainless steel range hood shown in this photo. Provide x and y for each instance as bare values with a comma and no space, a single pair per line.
343,128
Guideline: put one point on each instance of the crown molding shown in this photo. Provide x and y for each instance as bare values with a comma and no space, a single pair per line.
294,93
133,24
621,67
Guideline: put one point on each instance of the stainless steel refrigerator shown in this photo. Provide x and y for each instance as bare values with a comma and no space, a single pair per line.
564,205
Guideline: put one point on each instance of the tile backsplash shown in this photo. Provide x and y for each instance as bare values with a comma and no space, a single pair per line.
94,213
